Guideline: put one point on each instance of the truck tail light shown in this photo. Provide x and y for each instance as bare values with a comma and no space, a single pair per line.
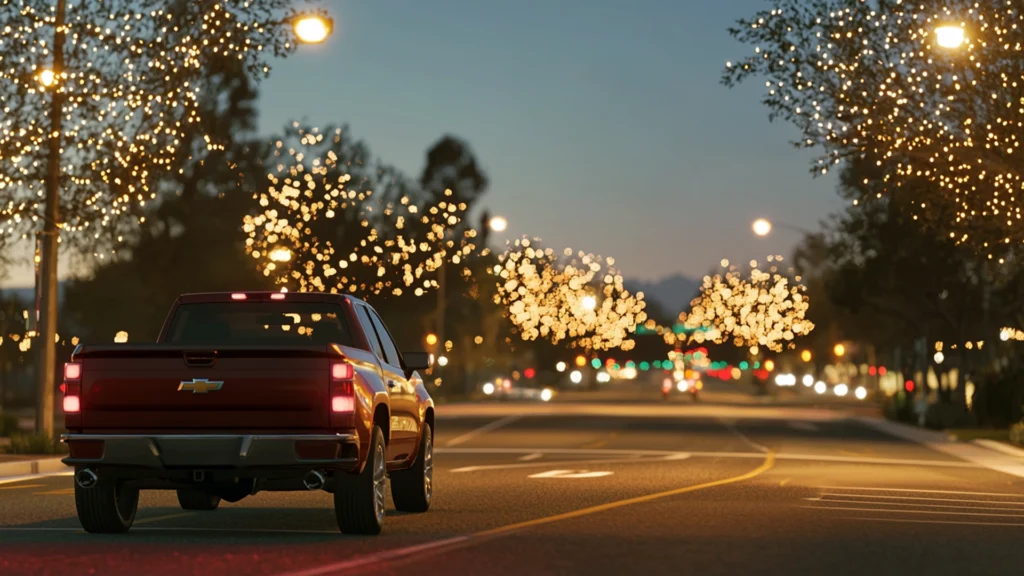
72,388
238,296
342,372
343,399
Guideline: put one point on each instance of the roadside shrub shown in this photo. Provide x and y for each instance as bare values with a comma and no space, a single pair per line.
8,425
1017,433
35,444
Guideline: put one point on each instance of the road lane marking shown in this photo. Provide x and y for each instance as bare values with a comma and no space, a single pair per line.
912,521
731,425
769,461
865,503
530,457
805,426
562,463
14,479
683,455
890,511
494,425
380,557
164,517
917,490
441,546
22,486
241,532
919,498
571,474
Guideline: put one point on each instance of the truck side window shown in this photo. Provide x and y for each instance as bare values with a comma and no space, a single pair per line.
390,350
368,330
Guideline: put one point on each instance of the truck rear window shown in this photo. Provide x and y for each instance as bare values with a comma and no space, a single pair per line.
258,323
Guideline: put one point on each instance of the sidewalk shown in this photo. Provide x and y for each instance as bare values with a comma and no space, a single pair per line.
28,464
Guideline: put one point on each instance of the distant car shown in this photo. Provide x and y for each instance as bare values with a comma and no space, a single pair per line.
250,392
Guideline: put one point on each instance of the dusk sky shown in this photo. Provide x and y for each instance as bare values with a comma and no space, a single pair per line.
601,124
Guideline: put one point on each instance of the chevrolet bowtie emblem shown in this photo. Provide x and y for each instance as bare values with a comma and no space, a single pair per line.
199,386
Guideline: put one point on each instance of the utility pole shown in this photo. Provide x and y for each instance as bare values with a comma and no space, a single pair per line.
47,327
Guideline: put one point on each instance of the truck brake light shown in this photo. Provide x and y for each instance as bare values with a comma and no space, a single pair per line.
277,296
342,371
72,405
238,296
344,404
72,371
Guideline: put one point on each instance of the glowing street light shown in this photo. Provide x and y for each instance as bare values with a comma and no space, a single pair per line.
950,36
280,255
762,227
560,366
442,361
431,339
805,355
498,224
47,77
839,350
312,28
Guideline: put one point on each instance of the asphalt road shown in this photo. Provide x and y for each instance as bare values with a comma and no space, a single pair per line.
585,491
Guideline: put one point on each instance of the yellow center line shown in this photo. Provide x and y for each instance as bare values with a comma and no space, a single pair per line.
22,486
159,518
769,461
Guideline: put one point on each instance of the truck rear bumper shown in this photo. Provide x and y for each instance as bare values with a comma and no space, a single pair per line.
213,451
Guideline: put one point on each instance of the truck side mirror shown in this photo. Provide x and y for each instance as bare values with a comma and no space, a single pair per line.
416,360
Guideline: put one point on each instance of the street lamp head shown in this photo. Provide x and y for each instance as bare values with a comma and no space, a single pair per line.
762,227
312,28
47,77
498,224
950,36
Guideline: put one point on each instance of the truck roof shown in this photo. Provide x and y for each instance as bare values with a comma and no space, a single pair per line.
262,296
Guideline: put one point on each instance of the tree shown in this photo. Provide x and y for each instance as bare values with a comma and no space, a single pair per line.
123,81
753,310
333,220
869,81
451,165
579,298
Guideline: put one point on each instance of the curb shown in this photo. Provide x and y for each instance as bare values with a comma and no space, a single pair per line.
1003,447
29,467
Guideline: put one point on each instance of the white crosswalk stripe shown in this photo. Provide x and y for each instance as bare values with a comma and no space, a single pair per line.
919,506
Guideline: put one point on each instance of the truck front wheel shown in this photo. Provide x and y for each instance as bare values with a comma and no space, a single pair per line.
197,500
359,498
108,507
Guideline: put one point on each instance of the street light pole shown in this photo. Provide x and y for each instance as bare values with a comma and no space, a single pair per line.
46,329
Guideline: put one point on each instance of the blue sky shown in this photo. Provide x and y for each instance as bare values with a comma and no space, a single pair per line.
601,123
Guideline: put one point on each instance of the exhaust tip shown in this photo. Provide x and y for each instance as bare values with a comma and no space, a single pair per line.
86,478
313,481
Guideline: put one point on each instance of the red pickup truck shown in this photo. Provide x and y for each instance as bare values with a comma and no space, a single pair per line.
250,392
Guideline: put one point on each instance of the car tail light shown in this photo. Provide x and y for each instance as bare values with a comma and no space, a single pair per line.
342,371
343,404
277,296
238,296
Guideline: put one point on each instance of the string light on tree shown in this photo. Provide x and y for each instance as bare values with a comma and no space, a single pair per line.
390,247
931,93
752,310
577,297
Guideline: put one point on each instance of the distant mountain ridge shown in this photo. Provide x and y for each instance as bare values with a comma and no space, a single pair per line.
672,293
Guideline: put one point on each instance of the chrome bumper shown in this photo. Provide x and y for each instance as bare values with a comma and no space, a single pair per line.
232,451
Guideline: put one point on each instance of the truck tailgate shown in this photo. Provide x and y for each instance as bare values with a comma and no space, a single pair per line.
242,391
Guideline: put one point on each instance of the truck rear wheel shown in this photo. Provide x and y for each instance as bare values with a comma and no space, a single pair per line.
108,507
197,500
411,489
359,499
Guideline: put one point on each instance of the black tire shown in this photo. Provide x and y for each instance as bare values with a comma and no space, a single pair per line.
359,498
108,507
412,488
197,500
